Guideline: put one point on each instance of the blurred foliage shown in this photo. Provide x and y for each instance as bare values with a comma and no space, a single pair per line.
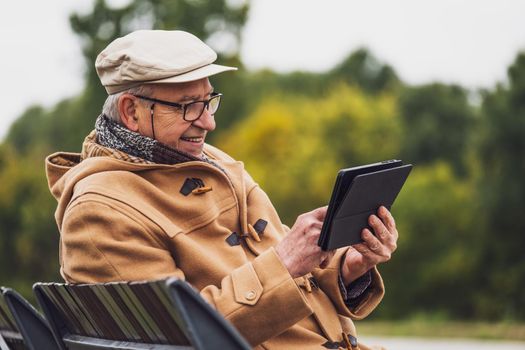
434,213
28,234
459,215
438,121
501,154
293,145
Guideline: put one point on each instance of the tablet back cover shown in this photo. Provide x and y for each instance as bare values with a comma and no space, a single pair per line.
366,194
342,184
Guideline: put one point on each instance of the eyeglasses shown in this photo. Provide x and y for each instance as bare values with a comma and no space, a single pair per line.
193,110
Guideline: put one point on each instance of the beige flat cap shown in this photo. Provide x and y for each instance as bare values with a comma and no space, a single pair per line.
155,56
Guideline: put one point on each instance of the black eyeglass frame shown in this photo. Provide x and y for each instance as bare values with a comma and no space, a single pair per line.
185,106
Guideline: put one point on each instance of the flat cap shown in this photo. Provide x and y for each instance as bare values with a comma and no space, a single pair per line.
155,56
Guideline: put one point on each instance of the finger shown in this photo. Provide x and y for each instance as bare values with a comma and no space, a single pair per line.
313,231
379,228
331,255
320,213
363,249
387,239
317,225
386,216
327,258
374,244
388,220
308,223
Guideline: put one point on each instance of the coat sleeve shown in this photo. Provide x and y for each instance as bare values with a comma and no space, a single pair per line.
104,241
328,278
328,282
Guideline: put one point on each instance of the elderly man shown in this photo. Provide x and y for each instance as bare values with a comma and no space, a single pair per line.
147,198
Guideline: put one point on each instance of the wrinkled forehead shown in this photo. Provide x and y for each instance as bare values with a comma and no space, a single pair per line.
182,91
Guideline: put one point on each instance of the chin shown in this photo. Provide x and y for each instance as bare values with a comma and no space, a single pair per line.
194,152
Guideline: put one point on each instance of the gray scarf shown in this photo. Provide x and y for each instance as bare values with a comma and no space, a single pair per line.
115,136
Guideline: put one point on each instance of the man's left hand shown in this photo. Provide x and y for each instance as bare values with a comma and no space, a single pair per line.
376,248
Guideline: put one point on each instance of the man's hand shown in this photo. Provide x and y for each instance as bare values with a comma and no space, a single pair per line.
374,250
299,251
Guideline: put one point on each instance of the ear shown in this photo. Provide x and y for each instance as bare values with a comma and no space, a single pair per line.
128,112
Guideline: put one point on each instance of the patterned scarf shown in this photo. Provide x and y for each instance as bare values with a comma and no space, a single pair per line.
121,143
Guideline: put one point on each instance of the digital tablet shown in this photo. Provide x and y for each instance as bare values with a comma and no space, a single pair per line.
358,193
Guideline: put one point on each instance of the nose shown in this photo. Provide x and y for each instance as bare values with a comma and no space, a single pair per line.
206,121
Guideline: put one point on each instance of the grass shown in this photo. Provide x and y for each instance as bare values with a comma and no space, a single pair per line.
443,329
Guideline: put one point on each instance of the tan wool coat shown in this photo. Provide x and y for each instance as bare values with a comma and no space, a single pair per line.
122,221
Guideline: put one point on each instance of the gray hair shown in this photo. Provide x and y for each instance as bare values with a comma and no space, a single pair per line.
110,108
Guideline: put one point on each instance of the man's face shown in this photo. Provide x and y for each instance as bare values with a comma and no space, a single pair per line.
169,126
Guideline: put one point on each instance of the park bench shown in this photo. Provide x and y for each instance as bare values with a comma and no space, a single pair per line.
21,326
157,315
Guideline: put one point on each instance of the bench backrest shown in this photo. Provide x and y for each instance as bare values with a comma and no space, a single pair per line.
21,325
10,336
158,314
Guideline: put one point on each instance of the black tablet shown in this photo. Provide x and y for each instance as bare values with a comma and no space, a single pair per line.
358,193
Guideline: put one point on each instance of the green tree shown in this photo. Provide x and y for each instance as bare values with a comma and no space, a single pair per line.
28,237
293,145
27,131
502,195
438,124
363,69
360,69
433,270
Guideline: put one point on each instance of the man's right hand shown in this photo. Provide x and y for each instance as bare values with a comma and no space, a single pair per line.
299,251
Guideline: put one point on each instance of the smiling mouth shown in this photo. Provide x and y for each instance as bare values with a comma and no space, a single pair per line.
197,139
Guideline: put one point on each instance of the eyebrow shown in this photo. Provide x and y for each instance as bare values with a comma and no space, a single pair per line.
195,97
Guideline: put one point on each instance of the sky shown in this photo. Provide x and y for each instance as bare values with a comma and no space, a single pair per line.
468,42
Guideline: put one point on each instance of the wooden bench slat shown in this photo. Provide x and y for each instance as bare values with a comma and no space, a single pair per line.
134,312
160,338
162,314
77,312
127,317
